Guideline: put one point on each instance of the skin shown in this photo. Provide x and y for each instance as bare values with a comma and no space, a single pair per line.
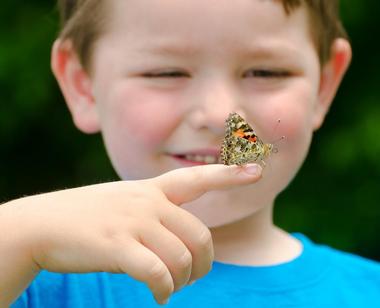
126,227
162,85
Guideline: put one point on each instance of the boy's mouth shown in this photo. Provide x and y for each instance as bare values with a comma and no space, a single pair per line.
202,157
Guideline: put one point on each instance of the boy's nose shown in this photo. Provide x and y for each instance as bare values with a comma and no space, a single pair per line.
212,106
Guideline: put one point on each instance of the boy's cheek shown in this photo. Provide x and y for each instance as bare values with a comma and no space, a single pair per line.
288,121
295,126
148,119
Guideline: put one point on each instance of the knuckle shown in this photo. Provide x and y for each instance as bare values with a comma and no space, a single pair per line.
185,261
197,172
205,239
157,272
199,175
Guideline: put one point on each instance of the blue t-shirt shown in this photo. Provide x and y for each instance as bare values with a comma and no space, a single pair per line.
319,277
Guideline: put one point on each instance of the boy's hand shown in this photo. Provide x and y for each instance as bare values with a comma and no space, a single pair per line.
133,227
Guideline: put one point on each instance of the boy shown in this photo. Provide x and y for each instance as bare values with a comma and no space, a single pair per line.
158,79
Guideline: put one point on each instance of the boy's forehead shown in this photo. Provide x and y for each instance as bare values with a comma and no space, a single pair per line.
195,12
198,19
251,28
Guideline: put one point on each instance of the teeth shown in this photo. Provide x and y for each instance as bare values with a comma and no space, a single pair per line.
208,159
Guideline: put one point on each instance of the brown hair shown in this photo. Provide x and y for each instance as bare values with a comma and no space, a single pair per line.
83,21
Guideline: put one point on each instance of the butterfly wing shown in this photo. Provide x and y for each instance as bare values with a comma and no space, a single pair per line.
239,151
240,145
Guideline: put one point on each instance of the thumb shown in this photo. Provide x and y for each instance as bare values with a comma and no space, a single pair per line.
187,184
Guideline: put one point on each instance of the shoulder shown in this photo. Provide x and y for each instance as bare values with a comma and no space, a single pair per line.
355,275
354,265
345,267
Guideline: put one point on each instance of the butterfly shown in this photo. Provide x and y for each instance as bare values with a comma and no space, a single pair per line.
241,145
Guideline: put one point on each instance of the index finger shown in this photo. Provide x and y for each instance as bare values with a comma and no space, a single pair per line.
187,184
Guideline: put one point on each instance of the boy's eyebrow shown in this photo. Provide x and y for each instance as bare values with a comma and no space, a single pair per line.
259,51
269,51
166,49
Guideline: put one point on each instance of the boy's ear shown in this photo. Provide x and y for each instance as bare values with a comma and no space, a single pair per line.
332,74
75,85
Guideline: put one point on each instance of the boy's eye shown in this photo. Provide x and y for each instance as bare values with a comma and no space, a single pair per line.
165,74
263,73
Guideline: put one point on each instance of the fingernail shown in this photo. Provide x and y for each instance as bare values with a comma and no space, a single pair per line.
164,302
252,169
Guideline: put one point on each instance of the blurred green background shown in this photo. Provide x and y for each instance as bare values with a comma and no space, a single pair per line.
335,198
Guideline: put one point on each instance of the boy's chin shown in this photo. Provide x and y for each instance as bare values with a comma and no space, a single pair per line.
215,211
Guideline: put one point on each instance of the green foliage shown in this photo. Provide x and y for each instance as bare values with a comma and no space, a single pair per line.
334,199
40,148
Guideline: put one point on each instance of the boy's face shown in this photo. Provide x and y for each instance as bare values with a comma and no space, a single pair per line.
166,75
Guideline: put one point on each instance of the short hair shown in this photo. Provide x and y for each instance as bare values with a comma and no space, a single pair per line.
82,22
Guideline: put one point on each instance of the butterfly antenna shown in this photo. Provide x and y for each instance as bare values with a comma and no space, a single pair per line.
276,127
275,149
